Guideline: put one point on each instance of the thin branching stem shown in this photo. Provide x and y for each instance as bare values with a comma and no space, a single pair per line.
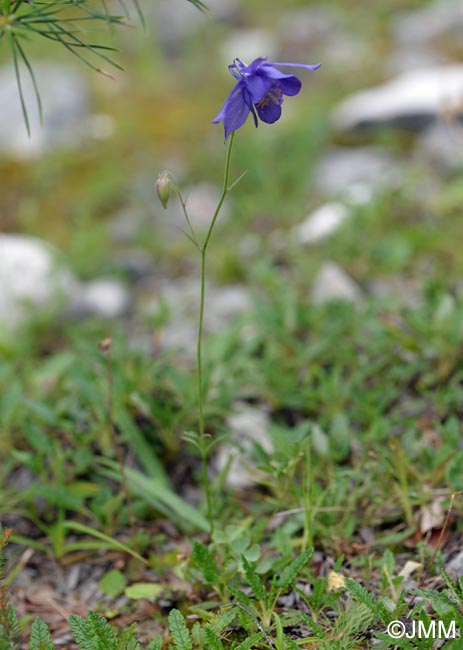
203,250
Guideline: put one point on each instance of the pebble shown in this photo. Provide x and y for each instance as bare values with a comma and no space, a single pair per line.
442,145
103,297
181,298
430,26
321,224
355,172
332,283
65,101
32,277
455,567
248,427
413,100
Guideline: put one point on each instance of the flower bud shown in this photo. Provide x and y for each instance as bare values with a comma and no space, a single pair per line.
163,185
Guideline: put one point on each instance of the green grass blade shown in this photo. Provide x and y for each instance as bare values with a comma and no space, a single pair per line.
112,543
159,496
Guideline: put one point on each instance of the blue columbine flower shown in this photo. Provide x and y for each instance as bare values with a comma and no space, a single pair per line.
260,89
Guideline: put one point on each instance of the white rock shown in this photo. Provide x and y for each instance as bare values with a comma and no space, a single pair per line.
103,297
442,145
412,100
65,109
412,57
332,283
248,427
355,172
224,304
181,297
32,277
423,27
321,224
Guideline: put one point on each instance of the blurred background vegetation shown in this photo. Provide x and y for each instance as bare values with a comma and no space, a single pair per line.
157,114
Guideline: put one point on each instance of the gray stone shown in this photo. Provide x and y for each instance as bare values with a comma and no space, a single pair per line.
127,224
433,25
303,29
224,304
201,201
179,299
173,22
332,283
135,262
248,427
321,224
455,566
32,277
65,109
318,31
355,172
398,289
413,100
408,57
103,297
442,145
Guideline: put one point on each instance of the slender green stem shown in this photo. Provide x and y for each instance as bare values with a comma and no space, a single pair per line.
203,249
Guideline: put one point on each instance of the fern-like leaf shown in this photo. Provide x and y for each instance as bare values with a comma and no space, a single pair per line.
179,630
251,641
128,640
223,620
106,639
83,632
253,579
361,594
40,638
205,562
291,572
213,641
455,589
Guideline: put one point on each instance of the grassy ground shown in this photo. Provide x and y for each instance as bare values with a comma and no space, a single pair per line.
365,403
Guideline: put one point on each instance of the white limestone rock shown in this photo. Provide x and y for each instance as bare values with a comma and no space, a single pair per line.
442,145
356,172
414,100
248,427
179,300
65,103
103,297
321,224
427,27
32,277
332,283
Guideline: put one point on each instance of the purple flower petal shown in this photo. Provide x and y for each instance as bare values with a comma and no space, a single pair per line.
257,86
269,112
259,91
289,85
235,111
296,65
